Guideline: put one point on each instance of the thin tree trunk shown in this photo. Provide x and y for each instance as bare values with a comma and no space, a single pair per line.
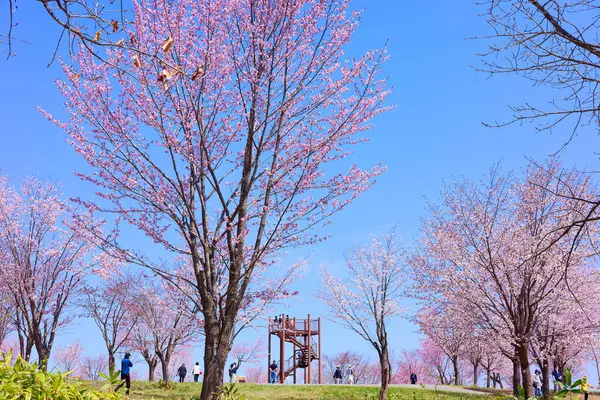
111,362
487,378
384,362
475,373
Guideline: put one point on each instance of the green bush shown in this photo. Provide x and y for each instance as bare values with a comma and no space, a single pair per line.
228,392
24,381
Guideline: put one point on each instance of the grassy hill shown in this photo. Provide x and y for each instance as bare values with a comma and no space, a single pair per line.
188,391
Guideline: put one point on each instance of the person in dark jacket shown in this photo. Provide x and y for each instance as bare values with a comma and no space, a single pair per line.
413,378
337,375
557,378
182,372
126,365
273,369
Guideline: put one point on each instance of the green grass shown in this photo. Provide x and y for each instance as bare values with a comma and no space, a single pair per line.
189,391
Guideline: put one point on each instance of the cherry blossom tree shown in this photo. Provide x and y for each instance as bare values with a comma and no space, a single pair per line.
170,322
345,359
370,297
109,305
412,361
436,360
447,329
496,253
44,261
209,129
141,341
256,374
67,358
92,366
245,352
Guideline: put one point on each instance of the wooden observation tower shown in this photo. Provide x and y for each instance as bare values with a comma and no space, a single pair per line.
304,336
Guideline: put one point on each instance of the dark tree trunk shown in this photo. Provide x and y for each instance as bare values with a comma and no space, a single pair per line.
456,368
164,367
545,379
214,365
516,377
384,362
151,370
487,378
523,352
475,373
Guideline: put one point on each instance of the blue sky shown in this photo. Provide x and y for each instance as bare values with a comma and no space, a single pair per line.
434,134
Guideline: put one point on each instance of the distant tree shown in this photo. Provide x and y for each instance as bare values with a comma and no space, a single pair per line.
245,352
109,306
170,320
67,358
345,359
92,366
371,295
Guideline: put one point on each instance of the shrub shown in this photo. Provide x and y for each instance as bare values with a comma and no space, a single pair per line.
24,381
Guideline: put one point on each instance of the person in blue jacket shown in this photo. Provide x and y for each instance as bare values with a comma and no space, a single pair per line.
126,365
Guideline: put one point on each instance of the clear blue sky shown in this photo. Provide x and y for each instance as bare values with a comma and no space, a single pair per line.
434,134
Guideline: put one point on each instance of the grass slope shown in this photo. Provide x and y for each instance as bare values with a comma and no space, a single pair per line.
189,391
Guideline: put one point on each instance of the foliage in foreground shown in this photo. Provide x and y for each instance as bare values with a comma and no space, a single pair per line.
28,382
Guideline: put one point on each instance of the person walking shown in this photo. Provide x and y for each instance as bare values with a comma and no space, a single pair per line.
413,378
337,375
126,365
273,369
585,387
197,371
182,372
537,383
557,379
350,375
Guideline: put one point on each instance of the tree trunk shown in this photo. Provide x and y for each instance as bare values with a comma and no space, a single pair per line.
214,365
384,362
545,379
111,363
475,373
516,377
151,370
164,366
456,370
523,352
487,378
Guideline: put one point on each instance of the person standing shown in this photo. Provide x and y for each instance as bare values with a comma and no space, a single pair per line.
557,379
273,369
537,383
337,375
585,387
126,365
197,372
182,372
233,373
413,378
351,375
